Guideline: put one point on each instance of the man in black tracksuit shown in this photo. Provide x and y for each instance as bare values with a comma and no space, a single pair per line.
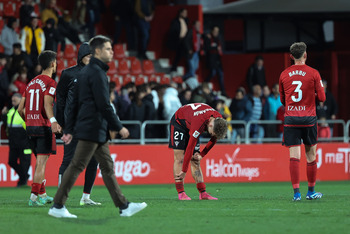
65,97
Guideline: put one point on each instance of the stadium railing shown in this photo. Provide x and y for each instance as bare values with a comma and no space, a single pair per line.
345,127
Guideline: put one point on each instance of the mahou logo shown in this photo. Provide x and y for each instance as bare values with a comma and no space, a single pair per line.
230,168
129,169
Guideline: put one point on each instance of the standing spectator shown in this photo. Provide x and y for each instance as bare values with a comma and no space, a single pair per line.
179,40
65,28
25,12
256,130
274,103
18,141
65,97
256,73
145,12
93,10
95,116
265,95
150,111
9,35
213,51
53,37
241,109
33,39
124,17
330,106
19,59
195,40
36,108
4,81
171,102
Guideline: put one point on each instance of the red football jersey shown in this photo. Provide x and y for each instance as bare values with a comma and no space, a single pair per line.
299,86
195,117
35,115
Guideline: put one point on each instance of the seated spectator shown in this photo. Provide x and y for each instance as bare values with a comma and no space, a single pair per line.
53,37
171,101
124,99
9,35
256,130
65,28
33,39
34,72
203,94
274,103
25,12
185,96
241,109
21,80
19,59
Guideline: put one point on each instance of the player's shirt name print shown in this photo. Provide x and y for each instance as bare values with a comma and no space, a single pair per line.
296,108
297,72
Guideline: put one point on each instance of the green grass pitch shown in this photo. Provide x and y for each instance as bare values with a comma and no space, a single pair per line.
241,208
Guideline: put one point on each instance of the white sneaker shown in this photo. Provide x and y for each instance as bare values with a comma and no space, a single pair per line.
132,209
61,213
88,201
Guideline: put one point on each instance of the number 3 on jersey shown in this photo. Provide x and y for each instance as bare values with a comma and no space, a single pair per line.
298,91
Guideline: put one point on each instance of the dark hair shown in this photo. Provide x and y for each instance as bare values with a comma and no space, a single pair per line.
259,57
98,42
23,69
46,58
180,11
10,21
297,49
17,45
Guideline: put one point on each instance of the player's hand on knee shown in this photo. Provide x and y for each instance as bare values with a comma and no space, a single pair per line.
180,175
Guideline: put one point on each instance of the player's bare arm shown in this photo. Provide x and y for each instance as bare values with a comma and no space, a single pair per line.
48,105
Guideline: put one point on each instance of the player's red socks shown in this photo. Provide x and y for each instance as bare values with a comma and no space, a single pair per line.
311,175
36,188
294,173
179,187
42,188
201,187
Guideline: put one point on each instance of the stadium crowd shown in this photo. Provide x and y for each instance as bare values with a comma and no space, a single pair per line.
135,94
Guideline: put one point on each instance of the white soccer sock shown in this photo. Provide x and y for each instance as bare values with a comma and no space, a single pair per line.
43,195
33,197
86,196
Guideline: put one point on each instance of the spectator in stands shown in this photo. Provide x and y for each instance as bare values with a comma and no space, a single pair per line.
323,129
330,106
213,52
256,73
124,17
203,94
9,35
150,111
25,12
241,109
195,43
256,130
19,59
4,81
171,101
53,37
145,12
280,116
21,80
274,103
185,96
18,140
34,72
65,28
93,10
137,111
33,39
179,38
79,13
124,99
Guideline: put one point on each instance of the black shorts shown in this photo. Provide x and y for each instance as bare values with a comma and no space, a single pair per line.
292,136
43,145
179,137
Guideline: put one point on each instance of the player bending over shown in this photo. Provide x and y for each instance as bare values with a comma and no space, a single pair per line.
300,86
186,125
